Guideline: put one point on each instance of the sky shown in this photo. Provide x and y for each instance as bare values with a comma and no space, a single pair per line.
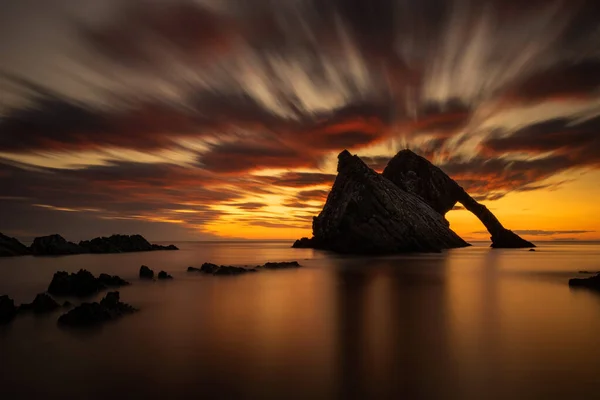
221,119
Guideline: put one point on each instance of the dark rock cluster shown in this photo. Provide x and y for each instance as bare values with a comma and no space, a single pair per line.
592,282
56,245
401,210
164,275
92,314
146,272
214,269
82,283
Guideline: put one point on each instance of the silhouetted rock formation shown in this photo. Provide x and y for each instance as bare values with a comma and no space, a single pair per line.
91,314
12,247
366,213
164,275
414,174
146,273
121,244
303,243
54,245
82,283
214,269
281,265
8,310
593,282
40,305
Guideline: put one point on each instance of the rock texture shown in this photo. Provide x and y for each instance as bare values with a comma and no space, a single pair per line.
593,282
82,283
54,245
92,314
366,213
8,310
414,174
10,246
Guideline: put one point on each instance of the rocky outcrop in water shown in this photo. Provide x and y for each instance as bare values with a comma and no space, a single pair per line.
281,265
8,310
146,273
162,275
592,282
121,244
414,174
92,314
10,246
83,283
54,245
214,269
41,304
366,213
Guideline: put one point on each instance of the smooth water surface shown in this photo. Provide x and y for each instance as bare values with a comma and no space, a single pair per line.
469,323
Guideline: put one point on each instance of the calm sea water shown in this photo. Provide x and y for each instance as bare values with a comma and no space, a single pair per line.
469,323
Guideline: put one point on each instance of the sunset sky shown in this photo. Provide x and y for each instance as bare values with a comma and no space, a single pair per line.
212,119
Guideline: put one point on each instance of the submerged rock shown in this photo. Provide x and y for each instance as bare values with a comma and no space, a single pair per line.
164,275
214,269
10,246
366,213
146,273
415,174
82,283
531,249
8,310
41,304
592,282
91,314
54,245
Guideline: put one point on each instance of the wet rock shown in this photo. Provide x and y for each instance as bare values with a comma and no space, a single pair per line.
531,249
41,304
164,275
146,273
415,174
10,246
281,265
92,314
54,245
366,213
112,280
8,310
593,282
82,283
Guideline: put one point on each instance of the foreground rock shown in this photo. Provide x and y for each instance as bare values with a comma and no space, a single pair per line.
10,246
414,174
592,282
54,245
41,304
281,265
146,273
82,283
8,310
365,213
93,314
163,275
121,244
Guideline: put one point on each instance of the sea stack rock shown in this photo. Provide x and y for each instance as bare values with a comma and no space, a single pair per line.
54,245
365,213
415,174
10,246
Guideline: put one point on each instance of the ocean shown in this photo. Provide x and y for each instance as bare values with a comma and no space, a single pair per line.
472,323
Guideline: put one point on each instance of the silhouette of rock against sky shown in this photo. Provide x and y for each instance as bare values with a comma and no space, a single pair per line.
416,175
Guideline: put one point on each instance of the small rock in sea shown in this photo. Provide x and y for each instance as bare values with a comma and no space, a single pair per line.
193,269
41,304
8,310
82,283
164,275
112,280
531,249
209,268
303,243
281,265
91,314
593,282
146,273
